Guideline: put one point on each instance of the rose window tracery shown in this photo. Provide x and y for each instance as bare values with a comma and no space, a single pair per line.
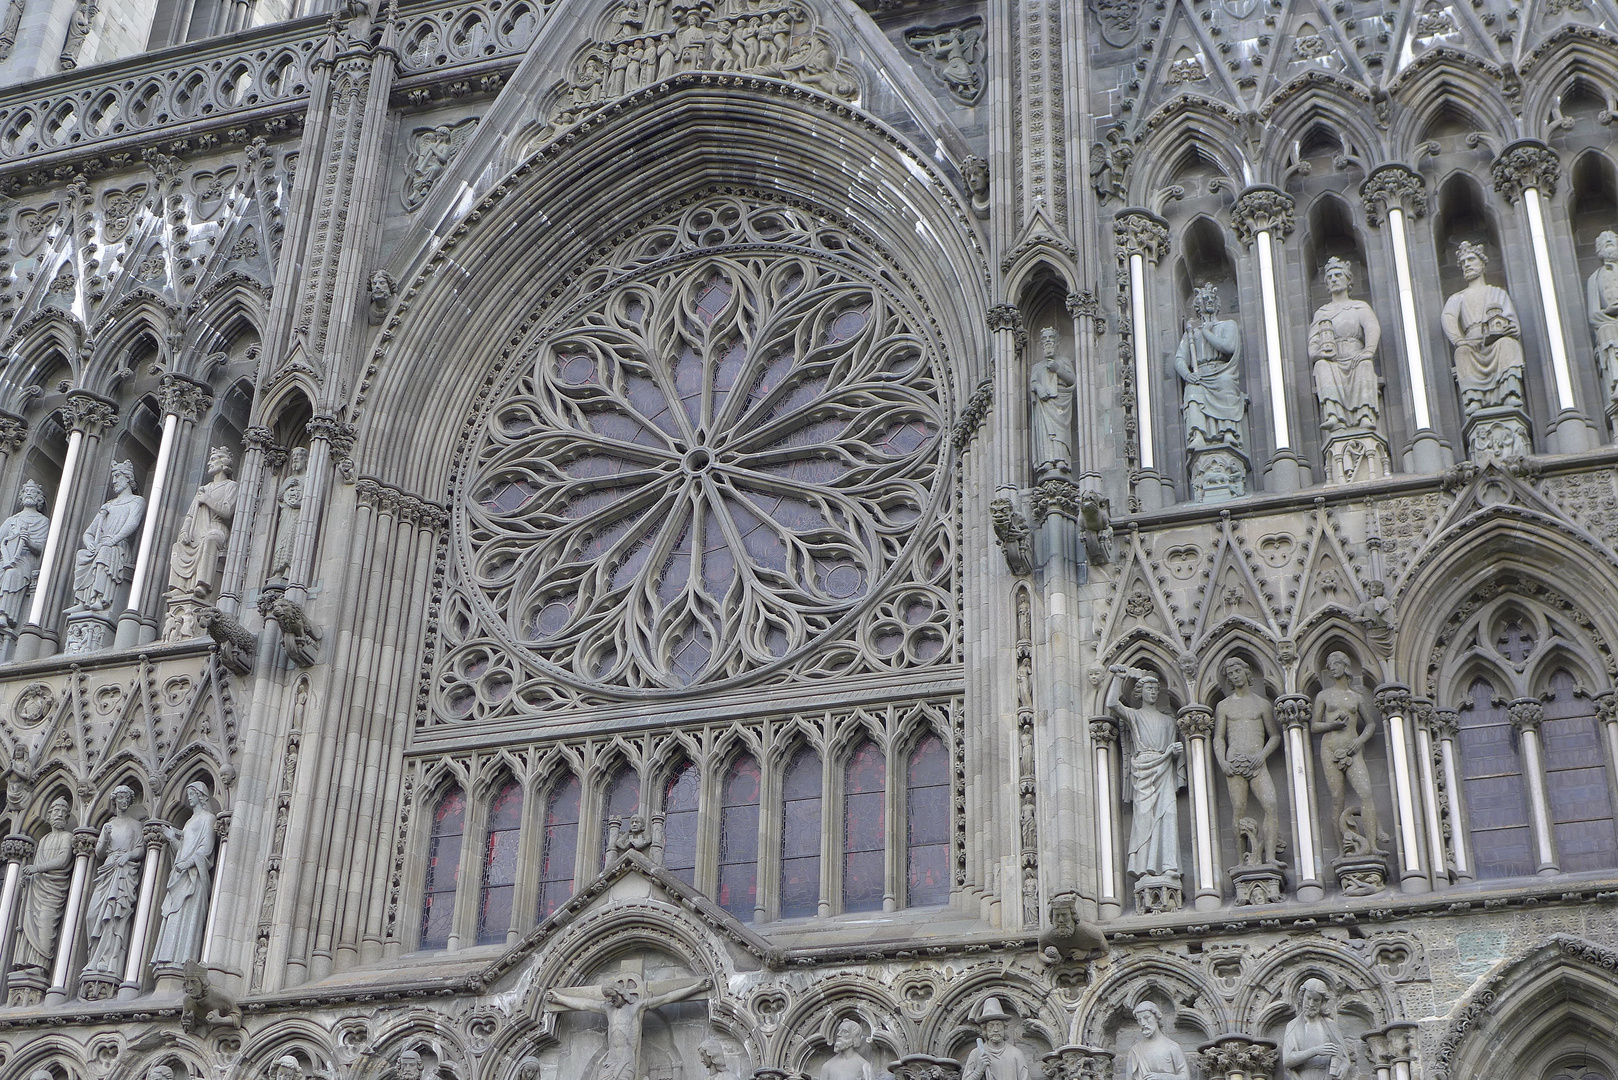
714,462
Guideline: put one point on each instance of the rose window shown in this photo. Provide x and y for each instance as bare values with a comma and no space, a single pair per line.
713,465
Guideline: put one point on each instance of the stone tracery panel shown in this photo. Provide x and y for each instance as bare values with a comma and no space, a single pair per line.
724,459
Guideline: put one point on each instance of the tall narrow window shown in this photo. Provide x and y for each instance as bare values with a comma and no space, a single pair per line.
738,839
680,823
620,799
1576,781
443,869
800,836
500,865
927,821
561,846
864,828
1491,775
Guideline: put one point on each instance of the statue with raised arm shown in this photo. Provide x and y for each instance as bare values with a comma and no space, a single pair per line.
1154,1056
846,1061
112,896
1153,774
623,1004
200,548
185,897
22,541
1481,324
45,886
995,1057
1245,735
104,562
1313,1047
1050,390
1601,304
1345,725
1343,339
1209,364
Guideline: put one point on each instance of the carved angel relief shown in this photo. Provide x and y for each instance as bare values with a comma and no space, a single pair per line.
431,152
956,53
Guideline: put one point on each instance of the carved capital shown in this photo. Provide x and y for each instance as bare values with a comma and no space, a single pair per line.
338,435
1084,304
1007,317
151,831
221,824
1078,1062
925,1067
1526,164
1607,707
1104,730
13,432
1527,714
18,847
184,398
1195,721
84,411
973,413
1056,496
1292,710
1393,699
1393,187
84,843
1388,1046
1261,209
1446,723
1232,1055
1138,232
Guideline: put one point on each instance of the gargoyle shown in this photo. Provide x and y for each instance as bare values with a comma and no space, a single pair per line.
206,1007
1012,531
236,645
299,636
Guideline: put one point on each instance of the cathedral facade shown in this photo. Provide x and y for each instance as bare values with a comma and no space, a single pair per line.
776,539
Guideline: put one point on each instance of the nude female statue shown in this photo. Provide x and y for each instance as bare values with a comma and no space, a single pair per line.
1345,725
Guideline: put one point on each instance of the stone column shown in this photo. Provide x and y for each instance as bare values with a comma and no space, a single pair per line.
261,452
86,417
182,399
84,849
1398,192
1141,237
1392,1049
1088,325
1292,713
15,850
1528,169
1109,890
1527,714
221,830
1261,217
1196,728
1010,343
135,961
1238,1057
1423,712
1393,700
1078,1062
1446,725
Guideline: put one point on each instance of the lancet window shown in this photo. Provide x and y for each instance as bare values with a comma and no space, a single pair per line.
927,817
1492,779
801,836
500,864
864,829
443,869
559,848
680,797
738,839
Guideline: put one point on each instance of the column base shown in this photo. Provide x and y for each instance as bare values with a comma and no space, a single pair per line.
1571,433
1427,453
1259,883
88,632
170,978
1219,473
1309,892
26,987
1414,881
1153,491
1286,471
1356,455
1107,910
128,632
1498,434
1208,901
30,644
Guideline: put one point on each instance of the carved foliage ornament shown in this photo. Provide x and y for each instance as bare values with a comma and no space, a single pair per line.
1526,165
1261,209
706,468
1394,186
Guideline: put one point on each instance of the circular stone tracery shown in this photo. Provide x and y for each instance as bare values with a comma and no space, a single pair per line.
705,472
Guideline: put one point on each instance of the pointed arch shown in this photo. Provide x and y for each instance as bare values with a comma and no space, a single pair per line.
1443,79
1567,55
1312,100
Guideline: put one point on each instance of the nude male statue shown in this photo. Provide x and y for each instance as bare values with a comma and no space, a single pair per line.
1245,736
623,1005
1339,713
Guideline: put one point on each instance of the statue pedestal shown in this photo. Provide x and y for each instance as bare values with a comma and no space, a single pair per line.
170,978
26,987
88,632
98,986
1571,433
1356,455
182,622
1498,434
1259,883
1218,473
1427,453
1361,875
1158,893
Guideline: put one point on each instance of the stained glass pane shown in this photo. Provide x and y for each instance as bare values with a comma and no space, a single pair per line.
443,869
864,810
1576,780
560,847
500,865
680,823
927,823
1491,775
800,836
738,840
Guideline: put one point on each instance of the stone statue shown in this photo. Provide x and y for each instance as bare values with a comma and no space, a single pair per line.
1155,774
186,896
117,884
1208,361
22,541
712,1055
623,1004
633,835
1050,388
846,1062
1601,302
287,1067
1313,1047
290,508
200,547
1244,737
78,28
1375,617
1343,339
995,1057
103,563
1345,725
1154,1056
408,1067
1481,323
44,899
160,1072
1069,937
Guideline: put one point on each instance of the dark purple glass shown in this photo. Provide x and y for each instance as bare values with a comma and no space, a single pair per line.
1491,775
443,869
800,836
927,824
561,846
864,828
1576,780
500,864
680,823
738,839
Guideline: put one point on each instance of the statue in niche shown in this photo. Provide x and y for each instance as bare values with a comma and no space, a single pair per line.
1601,302
1245,735
287,1067
634,835
1208,362
846,1061
1375,617
1313,1047
22,541
45,881
1481,323
1050,387
1345,725
995,1057
1155,774
185,897
712,1055
1154,1056
624,1005
289,508
103,563
1343,339
199,550
112,899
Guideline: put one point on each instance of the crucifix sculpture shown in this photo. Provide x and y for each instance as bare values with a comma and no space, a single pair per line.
623,1000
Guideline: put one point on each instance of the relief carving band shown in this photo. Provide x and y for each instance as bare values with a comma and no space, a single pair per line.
1050,386
1601,303
22,540
112,899
44,899
199,550
1481,323
624,1003
103,563
1245,735
1151,781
